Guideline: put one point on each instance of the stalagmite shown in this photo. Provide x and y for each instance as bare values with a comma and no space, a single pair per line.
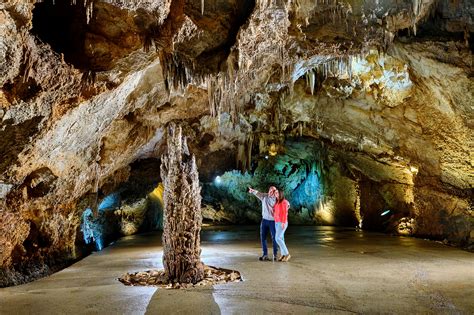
182,212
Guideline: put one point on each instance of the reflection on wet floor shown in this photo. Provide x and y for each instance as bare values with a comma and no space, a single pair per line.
303,233
333,270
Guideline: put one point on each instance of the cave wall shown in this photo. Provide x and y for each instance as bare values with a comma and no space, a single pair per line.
314,185
386,86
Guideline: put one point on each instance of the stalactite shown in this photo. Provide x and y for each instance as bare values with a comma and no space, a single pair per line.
178,73
249,151
225,94
416,9
95,207
89,10
312,81
202,7
349,69
336,67
262,145
277,118
211,97
241,157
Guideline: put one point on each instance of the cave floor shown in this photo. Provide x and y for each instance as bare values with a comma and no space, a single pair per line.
332,270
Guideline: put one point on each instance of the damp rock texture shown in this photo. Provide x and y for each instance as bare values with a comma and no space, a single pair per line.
88,87
182,216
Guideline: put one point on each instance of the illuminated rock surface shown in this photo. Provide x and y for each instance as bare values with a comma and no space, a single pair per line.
381,92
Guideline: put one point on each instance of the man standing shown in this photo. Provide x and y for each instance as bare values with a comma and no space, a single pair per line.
268,221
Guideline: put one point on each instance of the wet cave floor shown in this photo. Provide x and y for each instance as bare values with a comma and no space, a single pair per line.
332,270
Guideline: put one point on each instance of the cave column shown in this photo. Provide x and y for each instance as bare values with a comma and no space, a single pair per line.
182,211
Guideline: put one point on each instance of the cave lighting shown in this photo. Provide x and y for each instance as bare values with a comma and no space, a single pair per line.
325,211
98,244
112,201
272,151
91,231
414,169
385,213
157,193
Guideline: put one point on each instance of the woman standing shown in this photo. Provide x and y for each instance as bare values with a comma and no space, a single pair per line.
281,223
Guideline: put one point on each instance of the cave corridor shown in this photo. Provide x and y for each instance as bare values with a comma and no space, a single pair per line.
128,127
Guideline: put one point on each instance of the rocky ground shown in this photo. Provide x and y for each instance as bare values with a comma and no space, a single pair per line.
212,276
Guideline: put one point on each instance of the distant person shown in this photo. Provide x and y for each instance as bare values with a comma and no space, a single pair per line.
268,222
281,223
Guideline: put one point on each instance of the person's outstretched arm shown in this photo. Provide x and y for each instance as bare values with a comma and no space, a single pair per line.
257,194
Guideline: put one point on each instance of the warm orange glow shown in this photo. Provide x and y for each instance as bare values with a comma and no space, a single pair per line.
325,211
157,193
273,149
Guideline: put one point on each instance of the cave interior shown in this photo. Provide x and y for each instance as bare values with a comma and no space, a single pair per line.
360,111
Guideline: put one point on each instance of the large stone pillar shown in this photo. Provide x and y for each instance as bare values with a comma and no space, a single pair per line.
182,212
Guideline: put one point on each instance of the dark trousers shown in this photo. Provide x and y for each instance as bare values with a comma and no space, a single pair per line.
265,227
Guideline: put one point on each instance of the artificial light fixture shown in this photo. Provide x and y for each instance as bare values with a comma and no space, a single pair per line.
273,149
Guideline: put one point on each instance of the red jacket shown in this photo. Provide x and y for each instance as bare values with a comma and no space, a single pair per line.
281,211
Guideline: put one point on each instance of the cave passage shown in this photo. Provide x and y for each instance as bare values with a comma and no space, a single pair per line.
63,25
320,190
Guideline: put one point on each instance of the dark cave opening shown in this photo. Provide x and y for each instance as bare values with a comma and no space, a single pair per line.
440,28
238,18
63,25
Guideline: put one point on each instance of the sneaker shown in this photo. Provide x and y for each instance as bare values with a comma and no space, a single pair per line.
287,257
263,258
281,258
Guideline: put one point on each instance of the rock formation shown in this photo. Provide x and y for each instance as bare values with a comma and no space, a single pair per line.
382,90
182,217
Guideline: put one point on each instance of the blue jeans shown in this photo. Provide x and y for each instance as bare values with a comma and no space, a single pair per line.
280,237
265,227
